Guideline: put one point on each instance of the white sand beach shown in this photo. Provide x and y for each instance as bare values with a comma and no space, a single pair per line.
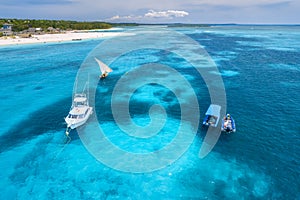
59,37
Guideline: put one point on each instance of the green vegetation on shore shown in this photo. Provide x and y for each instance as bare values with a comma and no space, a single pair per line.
27,26
24,24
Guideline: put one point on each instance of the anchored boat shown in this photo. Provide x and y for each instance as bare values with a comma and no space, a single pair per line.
79,113
228,124
212,115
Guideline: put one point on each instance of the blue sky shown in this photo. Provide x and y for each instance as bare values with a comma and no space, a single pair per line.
157,11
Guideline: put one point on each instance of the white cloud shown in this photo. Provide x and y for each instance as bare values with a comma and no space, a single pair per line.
166,14
115,17
123,18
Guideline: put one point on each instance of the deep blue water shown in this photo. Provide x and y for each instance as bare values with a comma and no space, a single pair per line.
260,68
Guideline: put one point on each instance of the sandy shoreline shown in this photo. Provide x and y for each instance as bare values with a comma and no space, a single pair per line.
60,37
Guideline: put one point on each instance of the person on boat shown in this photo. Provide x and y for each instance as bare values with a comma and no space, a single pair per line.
226,121
228,116
213,119
104,75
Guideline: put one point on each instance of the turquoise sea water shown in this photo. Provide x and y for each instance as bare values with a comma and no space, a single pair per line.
260,68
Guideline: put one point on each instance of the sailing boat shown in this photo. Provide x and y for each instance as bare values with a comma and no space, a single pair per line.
104,69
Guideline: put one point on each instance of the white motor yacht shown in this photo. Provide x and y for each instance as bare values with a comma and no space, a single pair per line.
80,111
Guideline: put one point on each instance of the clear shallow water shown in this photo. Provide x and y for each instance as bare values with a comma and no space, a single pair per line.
261,71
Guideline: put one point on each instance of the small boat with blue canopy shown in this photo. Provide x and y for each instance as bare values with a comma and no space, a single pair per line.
212,115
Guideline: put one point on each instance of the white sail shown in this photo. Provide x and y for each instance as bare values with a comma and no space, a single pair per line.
103,67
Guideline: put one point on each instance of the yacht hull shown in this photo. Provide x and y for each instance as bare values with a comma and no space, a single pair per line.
74,123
